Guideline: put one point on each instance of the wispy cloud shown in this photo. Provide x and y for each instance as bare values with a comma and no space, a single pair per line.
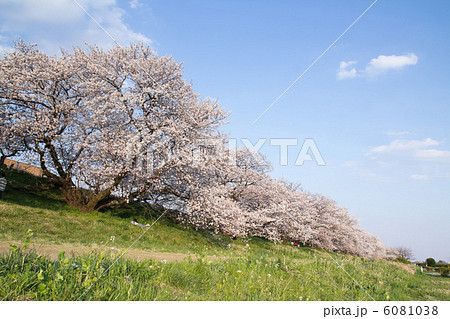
403,158
403,145
396,133
419,150
344,72
377,66
62,23
433,155
361,169
134,4
419,177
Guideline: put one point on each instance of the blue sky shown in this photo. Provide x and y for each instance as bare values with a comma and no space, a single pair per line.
377,104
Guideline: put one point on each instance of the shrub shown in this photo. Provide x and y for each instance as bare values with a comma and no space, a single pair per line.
402,260
421,264
444,271
431,262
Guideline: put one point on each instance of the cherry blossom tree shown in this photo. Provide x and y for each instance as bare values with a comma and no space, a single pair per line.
404,252
92,118
241,199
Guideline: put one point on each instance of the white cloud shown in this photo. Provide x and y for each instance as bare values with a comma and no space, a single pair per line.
369,175
403,145
62,23
350,164
376,66
396,133
134,4
344,73
384,63
361,169
433,155
419,177
415,159
418,150
19,14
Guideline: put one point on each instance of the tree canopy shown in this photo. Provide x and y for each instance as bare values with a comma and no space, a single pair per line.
92,117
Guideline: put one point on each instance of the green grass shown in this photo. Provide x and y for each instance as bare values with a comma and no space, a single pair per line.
252,269
43,210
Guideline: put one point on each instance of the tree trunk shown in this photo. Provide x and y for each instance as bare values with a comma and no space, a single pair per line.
74,197
86,200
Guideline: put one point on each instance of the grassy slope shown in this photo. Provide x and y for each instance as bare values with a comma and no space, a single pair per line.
250,270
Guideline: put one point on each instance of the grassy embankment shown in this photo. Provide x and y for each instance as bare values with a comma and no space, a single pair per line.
178,262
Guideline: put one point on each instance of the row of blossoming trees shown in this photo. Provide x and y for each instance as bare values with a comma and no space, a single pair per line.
122,125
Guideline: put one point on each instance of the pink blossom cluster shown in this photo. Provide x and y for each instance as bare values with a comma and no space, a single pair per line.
243,200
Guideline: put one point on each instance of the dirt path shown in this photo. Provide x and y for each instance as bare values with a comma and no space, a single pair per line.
52,250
